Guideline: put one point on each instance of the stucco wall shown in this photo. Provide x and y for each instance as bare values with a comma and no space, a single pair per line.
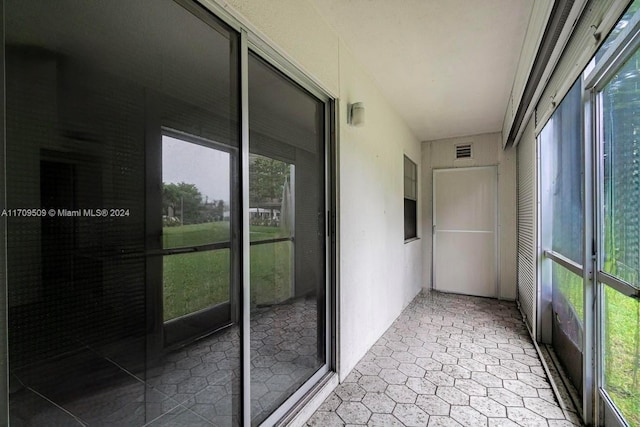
487,150
378,273
296,29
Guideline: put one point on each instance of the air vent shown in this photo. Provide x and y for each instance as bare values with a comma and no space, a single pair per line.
463,151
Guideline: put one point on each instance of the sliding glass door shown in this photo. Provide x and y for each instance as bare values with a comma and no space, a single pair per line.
128,302
288,237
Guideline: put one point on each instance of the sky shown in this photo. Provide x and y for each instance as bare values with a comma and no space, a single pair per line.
205,167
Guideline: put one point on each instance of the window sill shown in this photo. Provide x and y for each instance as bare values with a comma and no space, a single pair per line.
413,239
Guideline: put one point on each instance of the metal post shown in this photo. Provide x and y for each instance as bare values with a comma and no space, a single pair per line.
246,267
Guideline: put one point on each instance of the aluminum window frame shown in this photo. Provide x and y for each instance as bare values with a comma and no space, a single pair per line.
598,407
625,46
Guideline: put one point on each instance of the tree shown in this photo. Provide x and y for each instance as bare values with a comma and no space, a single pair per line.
266,179
184,201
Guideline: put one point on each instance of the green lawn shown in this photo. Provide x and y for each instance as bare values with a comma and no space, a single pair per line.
621,342
198,280
570,285
622,353
195,234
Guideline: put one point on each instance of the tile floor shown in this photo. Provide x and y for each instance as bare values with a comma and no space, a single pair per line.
197,385
449,360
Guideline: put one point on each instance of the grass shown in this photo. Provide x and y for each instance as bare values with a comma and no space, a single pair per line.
198,280
570,285
622,353
621,336
271,273
195,234
621,341
195,281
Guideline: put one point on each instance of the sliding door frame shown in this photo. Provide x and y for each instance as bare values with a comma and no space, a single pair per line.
264,52
251,41
589,367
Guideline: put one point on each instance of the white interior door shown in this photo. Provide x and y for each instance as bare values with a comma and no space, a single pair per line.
464,232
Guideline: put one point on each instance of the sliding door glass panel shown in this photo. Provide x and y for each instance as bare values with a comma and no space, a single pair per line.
562,226
286,208
192,202
91,87
621,193
621,352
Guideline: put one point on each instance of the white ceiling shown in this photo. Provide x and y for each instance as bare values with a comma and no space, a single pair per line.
446,66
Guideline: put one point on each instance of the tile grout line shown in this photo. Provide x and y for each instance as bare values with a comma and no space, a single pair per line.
175,403
78,419
515,338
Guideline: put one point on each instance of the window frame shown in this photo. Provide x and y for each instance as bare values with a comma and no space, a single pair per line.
410,181
597,405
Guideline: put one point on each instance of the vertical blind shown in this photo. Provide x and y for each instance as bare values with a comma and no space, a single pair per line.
527,224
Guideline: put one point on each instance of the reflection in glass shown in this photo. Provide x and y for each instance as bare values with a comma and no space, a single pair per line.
621,127
621,327
195,281
91,86
195,194
195,215
286,206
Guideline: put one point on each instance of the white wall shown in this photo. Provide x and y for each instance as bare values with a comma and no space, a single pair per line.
296,29
378,273
487,150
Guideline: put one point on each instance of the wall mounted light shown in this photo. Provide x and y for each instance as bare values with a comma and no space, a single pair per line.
355,114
